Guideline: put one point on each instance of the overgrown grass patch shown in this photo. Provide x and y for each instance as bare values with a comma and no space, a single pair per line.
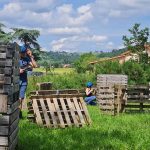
124,132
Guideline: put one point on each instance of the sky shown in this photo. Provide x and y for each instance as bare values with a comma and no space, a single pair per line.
77,25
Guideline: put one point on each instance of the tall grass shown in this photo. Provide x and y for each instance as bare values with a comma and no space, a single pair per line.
124,132
62,81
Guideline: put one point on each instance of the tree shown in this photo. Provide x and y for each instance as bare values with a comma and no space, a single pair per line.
82,64
27,36
136,42
4,37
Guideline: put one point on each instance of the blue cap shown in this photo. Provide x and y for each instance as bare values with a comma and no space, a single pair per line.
24,48
89,84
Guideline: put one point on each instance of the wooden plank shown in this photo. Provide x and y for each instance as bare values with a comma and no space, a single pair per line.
107,107
5,141
138,101
58,112
85,110
78,110
52,110
4,63
44,111
13,107
72,111
55,95
137,106
37,113
8,119
65,111
3,103
7,130
110,102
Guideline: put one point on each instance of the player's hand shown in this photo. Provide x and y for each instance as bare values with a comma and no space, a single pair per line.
21,70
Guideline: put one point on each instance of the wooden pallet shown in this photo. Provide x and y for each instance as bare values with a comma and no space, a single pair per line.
111,99
138,99
59,110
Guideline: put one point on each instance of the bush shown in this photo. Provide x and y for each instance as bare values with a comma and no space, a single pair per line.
64,81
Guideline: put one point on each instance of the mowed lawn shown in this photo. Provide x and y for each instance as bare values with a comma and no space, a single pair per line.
56,70
124,132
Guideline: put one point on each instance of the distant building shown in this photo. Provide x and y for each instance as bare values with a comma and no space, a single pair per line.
126,56
66,65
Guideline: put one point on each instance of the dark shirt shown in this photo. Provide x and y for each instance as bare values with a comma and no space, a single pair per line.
24,62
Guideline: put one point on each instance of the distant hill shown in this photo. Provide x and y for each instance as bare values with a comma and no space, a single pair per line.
58,58
112,53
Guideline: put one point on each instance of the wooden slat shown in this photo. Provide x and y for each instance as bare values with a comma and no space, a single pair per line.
3,103
72,112
65,111
52,110
58,112
37,113
78,110
46,117
85,110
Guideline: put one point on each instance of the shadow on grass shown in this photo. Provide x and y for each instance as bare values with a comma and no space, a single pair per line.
33,137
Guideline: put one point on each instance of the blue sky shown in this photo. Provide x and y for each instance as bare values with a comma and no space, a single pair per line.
77,25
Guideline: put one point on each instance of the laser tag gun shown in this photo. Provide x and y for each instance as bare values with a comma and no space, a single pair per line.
27,68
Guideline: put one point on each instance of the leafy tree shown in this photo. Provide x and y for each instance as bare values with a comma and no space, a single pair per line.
136,42
4,37
82,64
108,68
27,36
134,71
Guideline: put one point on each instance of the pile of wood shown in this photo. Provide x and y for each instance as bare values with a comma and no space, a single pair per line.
53,110
111,93
9,95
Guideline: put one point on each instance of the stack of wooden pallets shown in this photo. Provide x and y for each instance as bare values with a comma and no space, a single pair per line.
111,94
58,110
9,95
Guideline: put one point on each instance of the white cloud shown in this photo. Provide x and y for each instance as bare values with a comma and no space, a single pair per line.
68,30
84,9
73,42
65,9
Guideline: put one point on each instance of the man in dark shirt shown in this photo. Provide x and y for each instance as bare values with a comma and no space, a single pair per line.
26,63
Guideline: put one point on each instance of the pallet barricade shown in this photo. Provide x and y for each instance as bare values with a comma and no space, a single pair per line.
9,95
138,99
111,93
55,111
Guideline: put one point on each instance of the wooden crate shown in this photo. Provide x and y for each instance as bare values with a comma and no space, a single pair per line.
138,99
59,110
44,86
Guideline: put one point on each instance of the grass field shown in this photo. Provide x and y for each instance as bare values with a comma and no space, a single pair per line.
124,132
56,70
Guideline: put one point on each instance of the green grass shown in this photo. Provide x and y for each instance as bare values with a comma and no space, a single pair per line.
124,132
56,70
